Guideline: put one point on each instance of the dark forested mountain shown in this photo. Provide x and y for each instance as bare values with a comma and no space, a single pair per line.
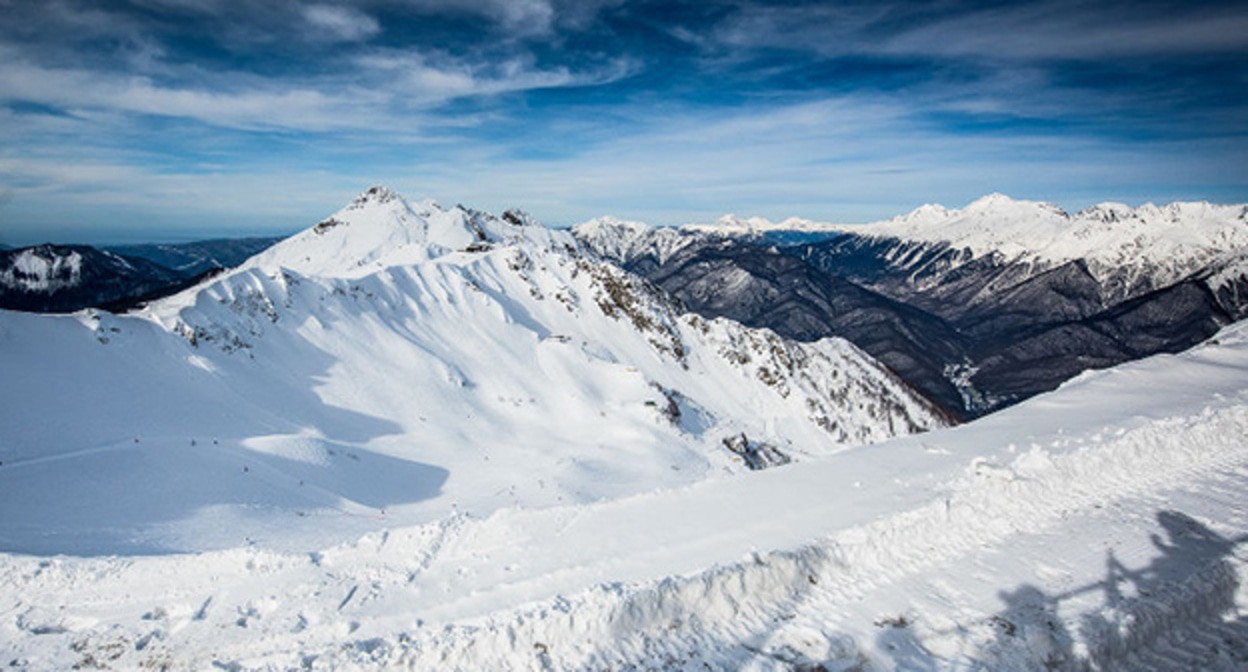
64,278
977,308
761,287
192,259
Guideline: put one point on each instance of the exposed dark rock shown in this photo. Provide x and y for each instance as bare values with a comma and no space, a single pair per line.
756,454
66,278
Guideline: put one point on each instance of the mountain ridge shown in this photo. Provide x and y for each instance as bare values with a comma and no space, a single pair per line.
995,300
377,373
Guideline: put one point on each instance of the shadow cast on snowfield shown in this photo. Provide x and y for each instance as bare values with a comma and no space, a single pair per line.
1178,612
130,500
146,444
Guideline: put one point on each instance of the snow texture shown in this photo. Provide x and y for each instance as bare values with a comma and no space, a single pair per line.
1099,526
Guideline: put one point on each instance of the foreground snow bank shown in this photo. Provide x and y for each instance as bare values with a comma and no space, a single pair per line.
1100,526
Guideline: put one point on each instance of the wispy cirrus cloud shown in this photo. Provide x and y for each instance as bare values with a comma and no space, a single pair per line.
342,23
1048,29
667,111
377,91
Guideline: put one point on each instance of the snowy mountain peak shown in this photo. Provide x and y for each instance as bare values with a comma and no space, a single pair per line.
619,239
518,217
1108,212
926,212
608,227
376,194
380,228
994,200
997,202
731,221
1164,243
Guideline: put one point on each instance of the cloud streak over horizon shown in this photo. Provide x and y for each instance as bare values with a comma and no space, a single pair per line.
176,119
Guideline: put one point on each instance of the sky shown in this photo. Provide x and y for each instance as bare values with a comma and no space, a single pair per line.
166,120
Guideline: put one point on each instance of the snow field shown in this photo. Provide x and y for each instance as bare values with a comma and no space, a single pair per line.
1103,536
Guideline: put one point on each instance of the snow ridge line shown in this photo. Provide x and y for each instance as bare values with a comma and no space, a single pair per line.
705,618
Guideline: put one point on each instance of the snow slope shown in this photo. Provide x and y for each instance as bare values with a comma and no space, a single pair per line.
398,366
1100,526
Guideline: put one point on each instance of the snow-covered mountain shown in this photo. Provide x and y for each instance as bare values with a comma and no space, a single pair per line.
1154,245
1098,527
394,364
199,257
425,438
977,307
623,240
63,278
1143,248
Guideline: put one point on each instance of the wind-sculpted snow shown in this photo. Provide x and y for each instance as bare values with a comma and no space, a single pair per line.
405,363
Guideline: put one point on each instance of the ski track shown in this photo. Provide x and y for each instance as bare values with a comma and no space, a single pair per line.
814,604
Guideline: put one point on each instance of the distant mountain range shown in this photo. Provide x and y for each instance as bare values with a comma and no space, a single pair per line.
65,278
978,307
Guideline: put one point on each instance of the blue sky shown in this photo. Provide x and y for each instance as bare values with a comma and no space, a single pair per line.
180,119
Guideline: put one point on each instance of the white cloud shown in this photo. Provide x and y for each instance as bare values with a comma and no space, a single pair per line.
385,89
423,80
524,18
1064,30
263,105
1053,29
340,22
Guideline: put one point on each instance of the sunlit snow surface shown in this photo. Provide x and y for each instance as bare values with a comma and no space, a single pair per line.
1165,242
522,506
